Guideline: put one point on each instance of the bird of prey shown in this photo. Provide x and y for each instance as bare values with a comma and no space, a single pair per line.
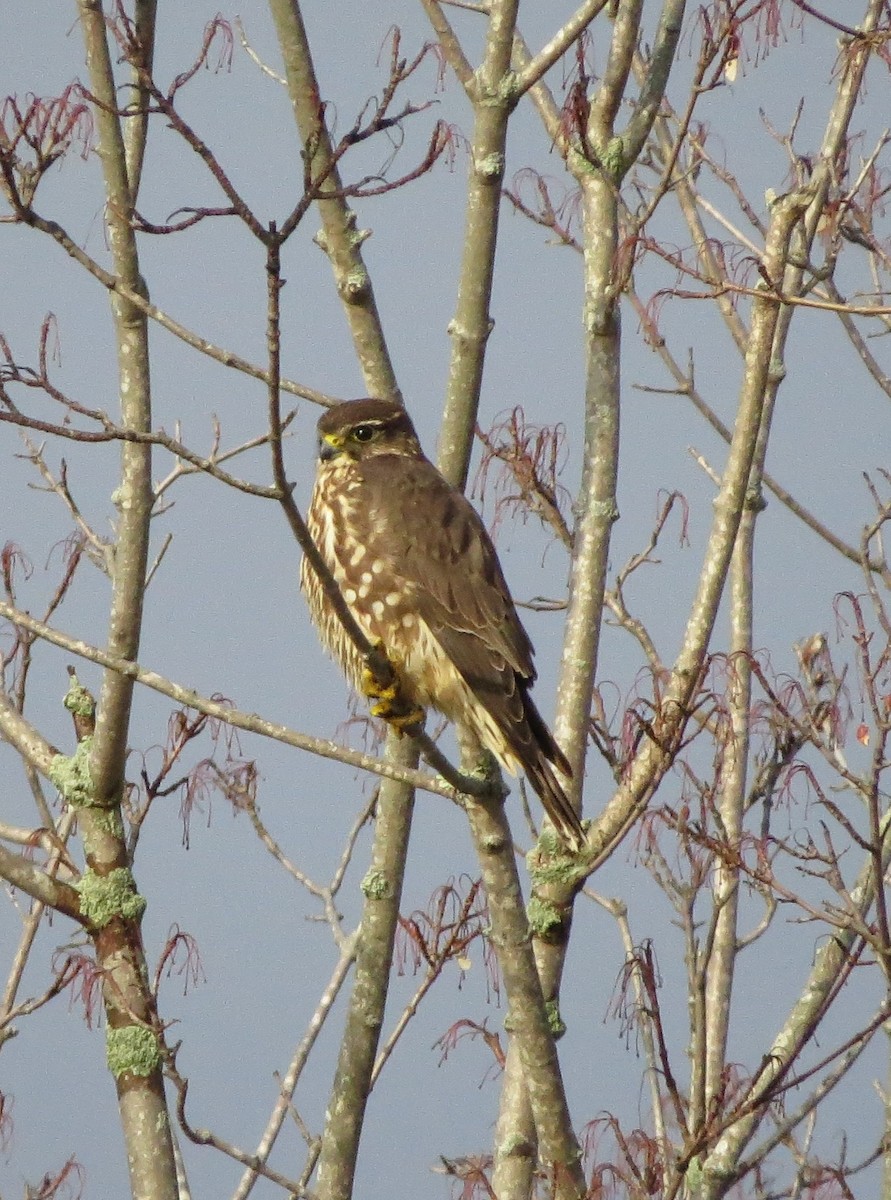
419,573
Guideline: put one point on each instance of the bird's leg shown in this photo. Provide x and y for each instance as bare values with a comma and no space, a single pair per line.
380,683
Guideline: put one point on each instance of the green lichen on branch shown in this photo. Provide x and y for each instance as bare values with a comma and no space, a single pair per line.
491,167
551,861
694,1175
71,775
545,919
109,821
355,286
375,885
104,897
556,1024
613,158
78,700
132,1050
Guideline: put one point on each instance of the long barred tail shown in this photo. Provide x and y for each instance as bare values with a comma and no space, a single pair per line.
536,761
555,802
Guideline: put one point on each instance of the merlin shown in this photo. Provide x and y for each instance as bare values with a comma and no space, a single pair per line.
419,573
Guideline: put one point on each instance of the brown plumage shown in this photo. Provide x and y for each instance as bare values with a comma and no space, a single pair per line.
420,574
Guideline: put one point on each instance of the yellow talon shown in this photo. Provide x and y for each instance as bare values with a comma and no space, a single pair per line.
390,704
374,690
399,717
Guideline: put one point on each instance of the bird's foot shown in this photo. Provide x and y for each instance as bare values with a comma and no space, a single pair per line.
408,719
390,704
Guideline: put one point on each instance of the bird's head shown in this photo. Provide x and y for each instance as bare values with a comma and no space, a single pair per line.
361,429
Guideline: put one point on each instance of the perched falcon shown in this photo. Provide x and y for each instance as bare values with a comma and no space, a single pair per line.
420,575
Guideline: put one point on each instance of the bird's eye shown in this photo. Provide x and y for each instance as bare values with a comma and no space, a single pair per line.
364,433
